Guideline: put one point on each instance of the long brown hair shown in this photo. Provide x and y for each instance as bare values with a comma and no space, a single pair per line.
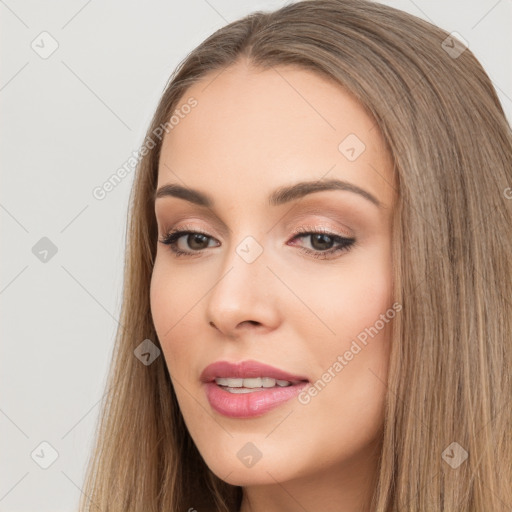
451,358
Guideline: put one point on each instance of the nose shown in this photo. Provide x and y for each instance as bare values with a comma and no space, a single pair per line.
244,297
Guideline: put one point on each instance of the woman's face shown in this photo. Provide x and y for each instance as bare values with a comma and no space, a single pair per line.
252,288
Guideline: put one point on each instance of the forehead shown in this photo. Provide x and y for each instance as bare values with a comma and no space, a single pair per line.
260,129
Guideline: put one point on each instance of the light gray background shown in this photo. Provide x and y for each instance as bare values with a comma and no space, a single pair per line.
69,122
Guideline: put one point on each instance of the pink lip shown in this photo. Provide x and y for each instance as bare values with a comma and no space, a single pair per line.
248,405
246,370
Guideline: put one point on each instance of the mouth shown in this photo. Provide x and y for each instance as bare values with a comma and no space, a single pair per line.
254,384
249,388
245,372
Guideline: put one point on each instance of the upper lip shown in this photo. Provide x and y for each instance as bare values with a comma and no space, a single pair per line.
246,370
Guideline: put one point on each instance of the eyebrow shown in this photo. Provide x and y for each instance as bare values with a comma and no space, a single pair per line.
278,197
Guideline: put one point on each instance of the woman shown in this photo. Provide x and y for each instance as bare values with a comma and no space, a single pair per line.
317,308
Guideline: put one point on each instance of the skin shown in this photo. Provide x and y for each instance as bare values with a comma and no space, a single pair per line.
251,132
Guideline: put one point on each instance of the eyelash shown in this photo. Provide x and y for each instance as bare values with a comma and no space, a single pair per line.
344,243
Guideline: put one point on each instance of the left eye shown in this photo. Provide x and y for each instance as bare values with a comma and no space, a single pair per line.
322,243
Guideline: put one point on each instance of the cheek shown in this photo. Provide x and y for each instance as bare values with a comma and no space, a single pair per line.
349,297
172,300
351,356
161,301
174,311
174,295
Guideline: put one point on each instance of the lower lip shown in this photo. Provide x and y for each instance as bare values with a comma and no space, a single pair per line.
249,405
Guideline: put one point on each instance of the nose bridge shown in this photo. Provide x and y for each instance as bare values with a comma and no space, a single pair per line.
243,291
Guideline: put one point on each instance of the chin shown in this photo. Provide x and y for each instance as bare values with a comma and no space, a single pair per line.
248,476
261,473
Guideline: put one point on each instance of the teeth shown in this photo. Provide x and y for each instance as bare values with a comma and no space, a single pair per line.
267,382
258,382
232,383
244,390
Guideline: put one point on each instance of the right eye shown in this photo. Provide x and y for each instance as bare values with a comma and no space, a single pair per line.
196,240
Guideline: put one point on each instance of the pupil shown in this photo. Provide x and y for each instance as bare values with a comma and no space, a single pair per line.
196,237
323,239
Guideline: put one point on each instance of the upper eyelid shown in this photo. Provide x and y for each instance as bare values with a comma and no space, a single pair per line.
326,211
306,229
298,232
327,216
